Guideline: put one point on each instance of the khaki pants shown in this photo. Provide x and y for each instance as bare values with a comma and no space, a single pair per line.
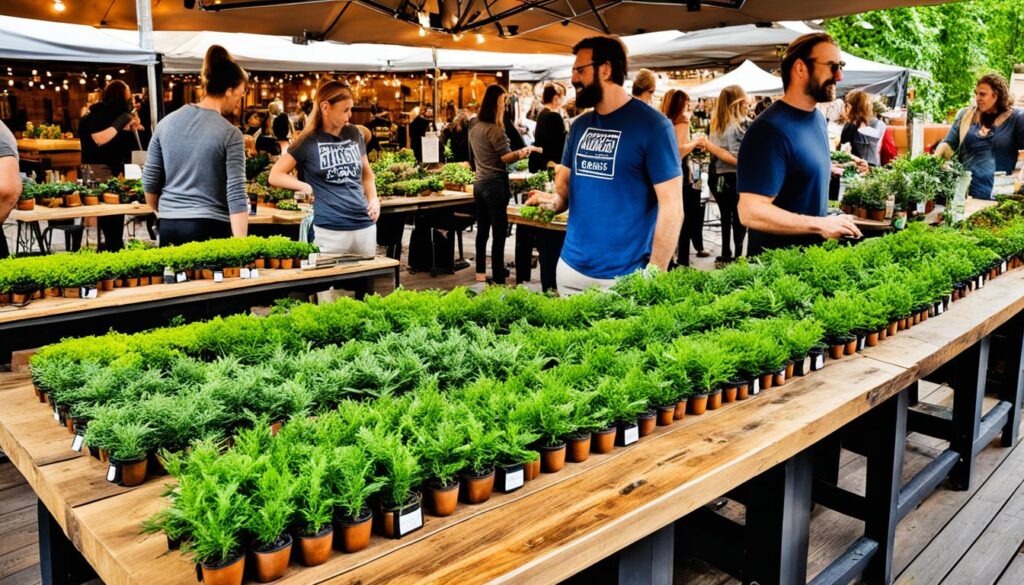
571,282
362,242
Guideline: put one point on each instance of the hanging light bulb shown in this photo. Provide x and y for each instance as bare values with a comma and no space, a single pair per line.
82,81
34,72
108,77
58,5
31,83
423,32
479,38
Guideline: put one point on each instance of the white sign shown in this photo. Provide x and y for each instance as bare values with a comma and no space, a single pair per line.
513,480
819,361
431,144
76,445
630,435
134,171
410,521
181,277
757,386
111,472
244,273
218,276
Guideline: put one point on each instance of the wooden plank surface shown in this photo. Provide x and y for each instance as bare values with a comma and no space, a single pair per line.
547,532
49,145
515,217
63,213
403,204
122,297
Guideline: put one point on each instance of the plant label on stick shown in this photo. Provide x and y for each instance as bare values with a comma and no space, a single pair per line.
76,444
410,521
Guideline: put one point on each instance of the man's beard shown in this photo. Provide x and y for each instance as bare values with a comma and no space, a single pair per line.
821,92
588,96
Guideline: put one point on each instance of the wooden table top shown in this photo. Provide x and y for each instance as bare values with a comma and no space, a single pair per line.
48,145
515,217
554,526
264,215
123,297
444,199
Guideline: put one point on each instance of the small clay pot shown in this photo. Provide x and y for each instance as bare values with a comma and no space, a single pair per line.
26,204
552,459
766,381
91,199
228,573
666,415
743,391
715,399
272,563
790,367
442,500
107,284
729,392
133,472
578,448
111,198
851,347
274,262
71,292
477,489
260,262
353,534
872,340
603,441
286,263
680,409
51,291
893,328
390,516
876,214
316,549
646,421
697,404
883,333
531,469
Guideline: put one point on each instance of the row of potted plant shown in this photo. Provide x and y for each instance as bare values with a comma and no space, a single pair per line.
112,191
24,278
915,183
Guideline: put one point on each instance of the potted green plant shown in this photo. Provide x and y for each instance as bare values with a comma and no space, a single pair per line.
128,460
513,455
480,452
622,402
273,501
586,417
316,509
837,315
352,473
401,513
440,449
216,517
549,412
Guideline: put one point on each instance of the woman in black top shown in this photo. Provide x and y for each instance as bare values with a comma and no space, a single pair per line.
550,132
107,139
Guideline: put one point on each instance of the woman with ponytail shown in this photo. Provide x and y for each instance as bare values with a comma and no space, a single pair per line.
330,155
195,170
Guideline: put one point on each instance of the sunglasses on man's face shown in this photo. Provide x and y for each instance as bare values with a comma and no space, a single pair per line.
835,66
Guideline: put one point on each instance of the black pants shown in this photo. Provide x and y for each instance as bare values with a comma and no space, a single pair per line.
174,232
733,231
491,197
549,247
693,225
112,227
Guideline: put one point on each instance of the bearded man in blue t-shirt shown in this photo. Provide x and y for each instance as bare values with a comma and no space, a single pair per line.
620,177
784,165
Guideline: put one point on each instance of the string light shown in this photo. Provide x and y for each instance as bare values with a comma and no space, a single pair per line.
423,32
479,38
58,5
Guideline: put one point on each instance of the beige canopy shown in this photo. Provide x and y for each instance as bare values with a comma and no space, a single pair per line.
535,26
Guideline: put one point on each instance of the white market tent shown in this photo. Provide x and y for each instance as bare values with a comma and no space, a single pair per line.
40,40
753,80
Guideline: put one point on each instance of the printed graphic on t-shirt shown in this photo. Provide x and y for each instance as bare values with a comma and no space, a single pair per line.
340,161
595,153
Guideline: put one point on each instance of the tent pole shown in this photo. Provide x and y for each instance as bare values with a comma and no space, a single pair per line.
144,11
437,76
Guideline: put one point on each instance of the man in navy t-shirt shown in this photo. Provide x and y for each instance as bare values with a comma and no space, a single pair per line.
620,177
784,164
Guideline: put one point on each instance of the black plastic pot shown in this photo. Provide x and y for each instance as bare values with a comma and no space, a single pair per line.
508,478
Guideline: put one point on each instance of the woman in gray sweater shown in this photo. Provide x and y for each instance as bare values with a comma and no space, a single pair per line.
195,169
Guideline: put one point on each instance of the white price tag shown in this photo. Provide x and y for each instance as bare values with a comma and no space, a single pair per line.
87,293
631,435
76,445
180,277
304,264
1002,267
254,273
921,207
757,386
410,521
860,343
819,361
513,480
218,276
56,415
938,309
981,282
111,472
244,273
806,366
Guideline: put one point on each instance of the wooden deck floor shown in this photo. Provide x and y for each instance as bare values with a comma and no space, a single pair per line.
974,537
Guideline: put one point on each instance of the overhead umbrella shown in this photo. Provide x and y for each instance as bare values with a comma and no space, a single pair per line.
33,40
753,80
535,26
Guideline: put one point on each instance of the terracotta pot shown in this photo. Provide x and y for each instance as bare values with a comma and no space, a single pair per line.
207,273
104,456
666,415
316,549
893,328
578,449
883,333
779,378
229,573
131,281
72,292
5,299
107,284
715,400
132,472
271,564
353,534
26,204
872,339
680,409
118,282
390,517
552,459
286,263
37,294
72,200
143,281
646,421
531,469
860,212
697,404
91,199
790,367
441,501
274,262
924,315
729,393
603,441
876,214
260,263
851,347
19,298
743,391
476,489
111,198
766,381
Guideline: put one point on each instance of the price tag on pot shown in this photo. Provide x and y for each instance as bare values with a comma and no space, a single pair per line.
56,415
254,273
244,273
513,480
921,207
938,308
87,292
1002,267
180,277
757,386
218,276
112,473
981,282
630,435
76,445
410,521
819,361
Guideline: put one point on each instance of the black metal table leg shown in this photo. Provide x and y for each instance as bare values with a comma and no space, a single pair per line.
778,523
650,560
1012,389
885,465
60,563
969,373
